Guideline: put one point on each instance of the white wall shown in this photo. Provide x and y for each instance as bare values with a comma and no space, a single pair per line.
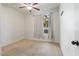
11,25
67,33
56,25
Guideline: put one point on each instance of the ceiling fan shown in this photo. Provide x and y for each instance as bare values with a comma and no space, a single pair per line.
30,6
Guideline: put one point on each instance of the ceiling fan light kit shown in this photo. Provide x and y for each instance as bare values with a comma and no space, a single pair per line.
29,7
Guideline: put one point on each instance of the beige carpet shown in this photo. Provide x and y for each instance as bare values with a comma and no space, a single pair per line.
32,48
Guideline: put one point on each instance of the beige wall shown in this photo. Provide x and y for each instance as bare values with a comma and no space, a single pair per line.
11,25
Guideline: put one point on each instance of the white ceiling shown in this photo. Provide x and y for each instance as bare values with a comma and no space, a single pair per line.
44,7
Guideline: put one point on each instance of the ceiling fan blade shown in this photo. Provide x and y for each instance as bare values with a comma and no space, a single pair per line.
36,8
22,7
35,3
25,3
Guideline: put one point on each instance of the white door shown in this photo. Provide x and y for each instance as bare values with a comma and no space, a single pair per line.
77,28
67,33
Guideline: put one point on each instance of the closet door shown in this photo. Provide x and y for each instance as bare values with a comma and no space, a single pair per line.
38,27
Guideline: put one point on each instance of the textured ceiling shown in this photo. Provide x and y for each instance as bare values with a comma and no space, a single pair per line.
44,7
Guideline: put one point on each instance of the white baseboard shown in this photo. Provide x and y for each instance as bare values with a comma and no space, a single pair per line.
29,39
3,45
41,40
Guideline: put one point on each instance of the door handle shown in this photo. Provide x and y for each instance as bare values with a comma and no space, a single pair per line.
75,43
